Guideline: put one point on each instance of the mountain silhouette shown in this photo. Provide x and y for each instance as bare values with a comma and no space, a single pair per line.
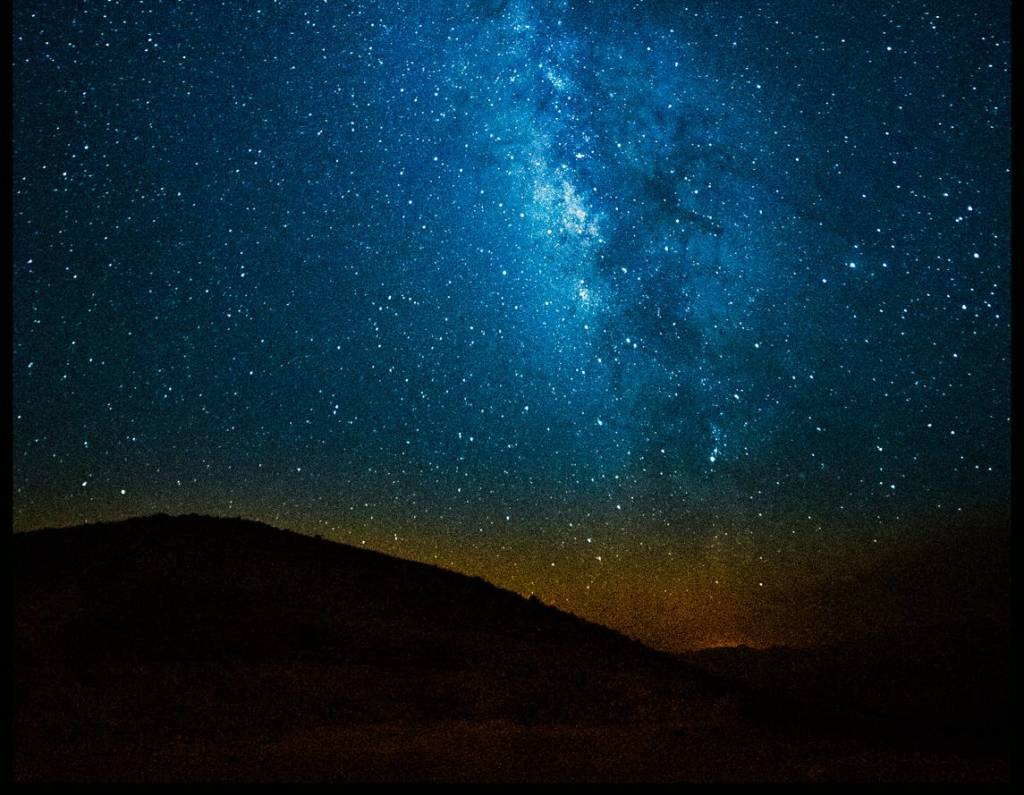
195,648
205,627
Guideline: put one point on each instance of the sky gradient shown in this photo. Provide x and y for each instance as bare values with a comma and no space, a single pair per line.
661,311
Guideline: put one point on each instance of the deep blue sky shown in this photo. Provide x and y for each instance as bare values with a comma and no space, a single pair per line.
498,272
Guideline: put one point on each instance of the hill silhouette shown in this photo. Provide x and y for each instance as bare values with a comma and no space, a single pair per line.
195,648
199,626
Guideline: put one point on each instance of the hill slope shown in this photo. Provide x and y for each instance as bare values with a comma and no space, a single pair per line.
192,648
193,627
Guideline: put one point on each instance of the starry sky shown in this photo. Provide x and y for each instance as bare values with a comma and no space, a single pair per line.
659,310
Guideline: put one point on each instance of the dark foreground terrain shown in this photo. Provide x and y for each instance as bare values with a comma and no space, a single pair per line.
191,648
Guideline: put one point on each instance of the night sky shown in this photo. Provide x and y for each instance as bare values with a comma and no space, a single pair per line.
661,311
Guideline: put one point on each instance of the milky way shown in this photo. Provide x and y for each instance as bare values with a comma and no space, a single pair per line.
517,283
